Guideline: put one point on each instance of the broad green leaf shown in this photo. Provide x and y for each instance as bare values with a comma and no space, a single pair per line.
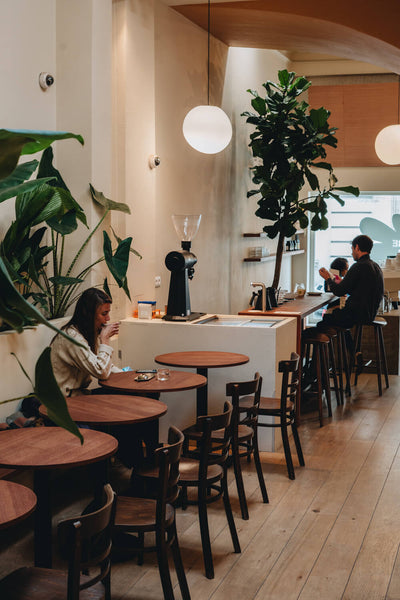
117,263
47,169
259,105
106,288
106,203
14,142
285,77
28,186
62,280
349,189
20,174
12,300
49,394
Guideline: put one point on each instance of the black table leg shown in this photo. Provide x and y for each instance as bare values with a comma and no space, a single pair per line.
43,536
202,394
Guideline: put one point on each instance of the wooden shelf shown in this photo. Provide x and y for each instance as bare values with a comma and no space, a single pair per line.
272,256
262,234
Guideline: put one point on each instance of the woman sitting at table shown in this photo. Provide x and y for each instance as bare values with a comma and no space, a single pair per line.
75,366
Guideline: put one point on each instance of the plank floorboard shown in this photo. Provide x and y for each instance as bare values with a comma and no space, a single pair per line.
331,534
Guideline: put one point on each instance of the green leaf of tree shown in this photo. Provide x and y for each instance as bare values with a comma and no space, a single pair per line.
49,394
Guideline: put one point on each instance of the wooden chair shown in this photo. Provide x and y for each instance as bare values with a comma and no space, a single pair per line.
283,410
244,440
86,541
204,467
147,515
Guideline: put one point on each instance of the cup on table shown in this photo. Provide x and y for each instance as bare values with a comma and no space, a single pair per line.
162,374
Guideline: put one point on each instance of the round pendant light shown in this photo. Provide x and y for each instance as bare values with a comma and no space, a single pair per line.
387,142
207,128
387,145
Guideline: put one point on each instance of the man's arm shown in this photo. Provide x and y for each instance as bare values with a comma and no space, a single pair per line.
346,286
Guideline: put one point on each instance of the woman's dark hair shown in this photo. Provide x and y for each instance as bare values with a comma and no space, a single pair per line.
84,314
340,264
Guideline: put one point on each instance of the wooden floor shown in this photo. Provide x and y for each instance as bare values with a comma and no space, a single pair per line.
332,533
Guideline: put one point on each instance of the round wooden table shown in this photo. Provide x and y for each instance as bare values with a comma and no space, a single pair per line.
43,449
178,382
112,409
202,360
16,503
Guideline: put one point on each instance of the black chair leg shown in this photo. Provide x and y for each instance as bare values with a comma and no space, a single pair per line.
239,483
378,361
383,355
288,454
260,474
332,360
163,567
205,534
180,571
229,514
298,444
319,384
325,376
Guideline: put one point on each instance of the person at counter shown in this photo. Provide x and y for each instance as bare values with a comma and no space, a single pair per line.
363,283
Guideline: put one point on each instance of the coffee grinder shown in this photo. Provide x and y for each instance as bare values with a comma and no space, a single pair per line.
181,264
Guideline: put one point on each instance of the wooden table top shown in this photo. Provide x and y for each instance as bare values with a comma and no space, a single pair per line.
112,409
16,503
178,381
299,307
202,359
53,447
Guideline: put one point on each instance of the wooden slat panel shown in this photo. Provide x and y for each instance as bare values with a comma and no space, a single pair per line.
359,112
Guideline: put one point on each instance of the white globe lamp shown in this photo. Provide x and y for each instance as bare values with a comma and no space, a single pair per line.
387,145
207,129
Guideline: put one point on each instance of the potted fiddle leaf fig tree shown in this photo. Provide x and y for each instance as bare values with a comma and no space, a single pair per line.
289,142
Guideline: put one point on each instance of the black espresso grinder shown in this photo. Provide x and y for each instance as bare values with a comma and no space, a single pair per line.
181,264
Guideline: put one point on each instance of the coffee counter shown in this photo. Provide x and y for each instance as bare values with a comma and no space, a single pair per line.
265,340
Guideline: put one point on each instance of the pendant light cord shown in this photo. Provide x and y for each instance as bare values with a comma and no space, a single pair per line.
208,54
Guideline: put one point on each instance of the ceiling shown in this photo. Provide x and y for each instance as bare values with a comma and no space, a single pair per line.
364,30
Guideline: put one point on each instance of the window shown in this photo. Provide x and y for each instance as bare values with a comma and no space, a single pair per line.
374,214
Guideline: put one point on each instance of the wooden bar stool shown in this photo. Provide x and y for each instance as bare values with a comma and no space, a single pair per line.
332,334
314,349
380,352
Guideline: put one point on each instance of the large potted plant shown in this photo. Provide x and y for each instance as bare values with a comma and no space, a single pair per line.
288,143
41,271
45,199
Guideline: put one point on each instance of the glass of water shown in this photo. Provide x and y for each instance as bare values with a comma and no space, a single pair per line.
162,374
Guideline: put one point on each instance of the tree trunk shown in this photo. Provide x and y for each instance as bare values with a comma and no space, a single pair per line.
278,261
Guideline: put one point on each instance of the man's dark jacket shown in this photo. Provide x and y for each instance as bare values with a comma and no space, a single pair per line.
364,284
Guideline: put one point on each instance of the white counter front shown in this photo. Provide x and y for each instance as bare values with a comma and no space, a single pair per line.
266,340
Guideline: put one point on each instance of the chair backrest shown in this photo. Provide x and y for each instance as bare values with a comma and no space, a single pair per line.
86,541
209,451
290,385
236,390
167,459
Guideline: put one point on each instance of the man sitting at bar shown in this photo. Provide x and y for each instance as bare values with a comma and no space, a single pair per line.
363,283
